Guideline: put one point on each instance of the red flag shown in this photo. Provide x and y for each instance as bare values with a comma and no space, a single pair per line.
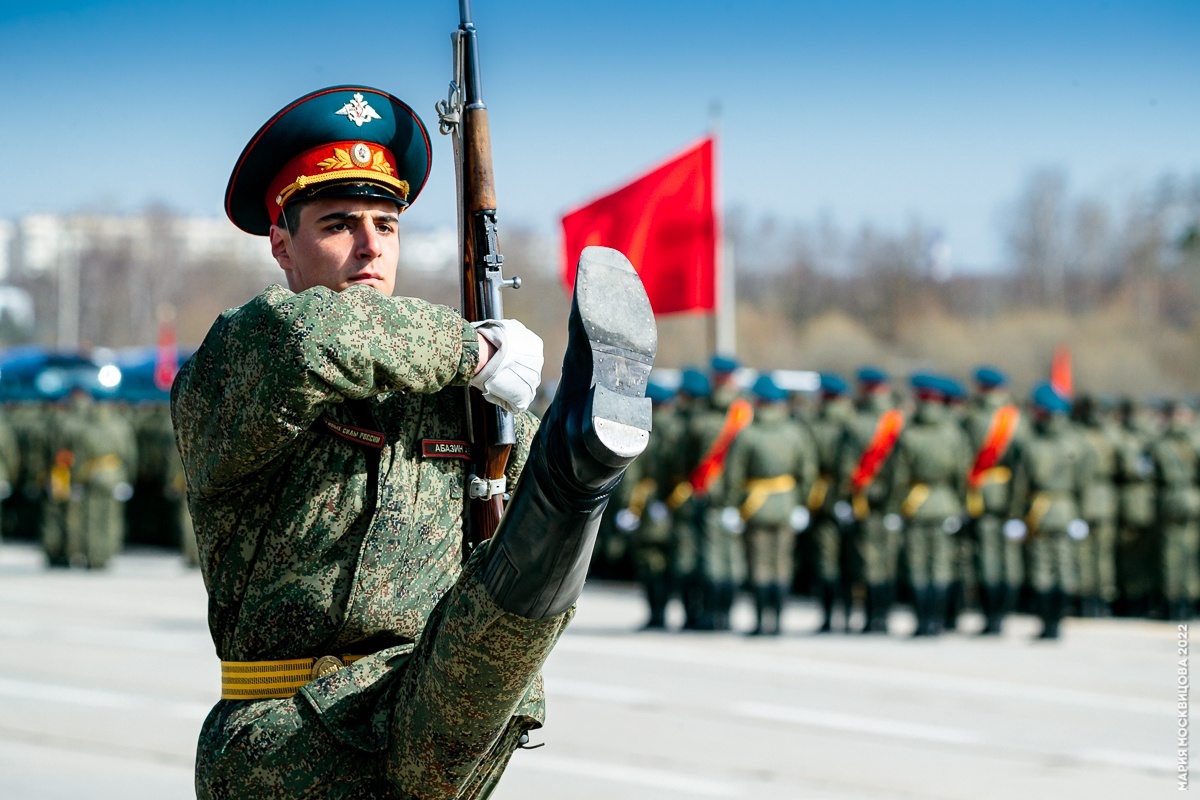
665,225
1060,372
166,362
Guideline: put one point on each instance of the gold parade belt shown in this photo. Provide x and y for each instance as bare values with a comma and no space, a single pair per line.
273,680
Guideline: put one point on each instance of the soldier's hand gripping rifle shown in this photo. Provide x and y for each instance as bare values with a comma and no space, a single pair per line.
463,116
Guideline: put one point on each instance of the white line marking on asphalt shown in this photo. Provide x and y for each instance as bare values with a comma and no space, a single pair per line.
1123,758
794,664
99,698
603,692
857,724
640,776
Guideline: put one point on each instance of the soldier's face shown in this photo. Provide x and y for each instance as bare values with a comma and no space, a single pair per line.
339,243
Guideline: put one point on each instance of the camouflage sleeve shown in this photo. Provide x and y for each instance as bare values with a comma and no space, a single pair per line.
267,370
808,463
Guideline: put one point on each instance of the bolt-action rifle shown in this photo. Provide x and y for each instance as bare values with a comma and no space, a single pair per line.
464,117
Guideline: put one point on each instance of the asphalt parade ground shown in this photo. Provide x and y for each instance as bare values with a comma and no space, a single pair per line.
106,677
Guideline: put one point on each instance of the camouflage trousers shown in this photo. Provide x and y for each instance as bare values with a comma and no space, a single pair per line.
1098,561
1181,560
999,559
878,549
1052,563
770,554
927,551
450,718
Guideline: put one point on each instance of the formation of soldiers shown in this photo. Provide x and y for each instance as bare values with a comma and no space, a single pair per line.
84,471
936,497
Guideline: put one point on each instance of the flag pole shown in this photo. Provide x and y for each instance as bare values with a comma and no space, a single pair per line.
723,322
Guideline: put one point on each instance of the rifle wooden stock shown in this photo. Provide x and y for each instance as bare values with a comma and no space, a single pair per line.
490,429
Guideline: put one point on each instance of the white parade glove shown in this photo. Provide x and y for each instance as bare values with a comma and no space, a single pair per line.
659,511
511,377
800,518
5,490
122,492
1078,530
627,520
1015,530
893,523
843,511
952,525
731,520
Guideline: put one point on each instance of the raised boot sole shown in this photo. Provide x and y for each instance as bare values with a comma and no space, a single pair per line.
619,324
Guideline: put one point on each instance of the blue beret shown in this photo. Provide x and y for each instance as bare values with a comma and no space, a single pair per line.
1045,396
833,384
990,377
766,389
872,375
954,389
724,363
695,383
659,393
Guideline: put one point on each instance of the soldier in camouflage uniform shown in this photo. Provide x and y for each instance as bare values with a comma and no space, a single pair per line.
23,510
322,433
686,510
1099,506
1139,537
770,469
105,461
830,531
865,485
646,518
1177,471
1052,467
710,430
10,464
62,532
929,487
993,424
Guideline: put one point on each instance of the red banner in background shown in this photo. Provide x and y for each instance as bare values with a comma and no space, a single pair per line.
665,224
1060,372
166,362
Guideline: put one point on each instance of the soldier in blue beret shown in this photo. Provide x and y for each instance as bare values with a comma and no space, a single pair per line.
989,377
1051,469
832,542
322,430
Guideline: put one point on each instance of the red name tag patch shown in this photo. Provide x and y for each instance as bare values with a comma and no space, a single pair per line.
373,439
445,448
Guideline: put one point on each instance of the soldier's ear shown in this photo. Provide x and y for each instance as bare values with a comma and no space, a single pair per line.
281,248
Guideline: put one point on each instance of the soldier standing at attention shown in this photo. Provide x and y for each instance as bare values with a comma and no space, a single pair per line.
770,469
830,530
929,487
645,519
1176,471
865,484
993,424
711,431
1097,552
1138,562
1051,471
685,508
321,427
105,460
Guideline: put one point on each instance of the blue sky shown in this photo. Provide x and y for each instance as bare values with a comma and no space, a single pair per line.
866,111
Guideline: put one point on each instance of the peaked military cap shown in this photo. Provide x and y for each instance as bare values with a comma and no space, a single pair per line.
833,384
1046,397
337,142
767,390
724,364
872,375
990,377
695,383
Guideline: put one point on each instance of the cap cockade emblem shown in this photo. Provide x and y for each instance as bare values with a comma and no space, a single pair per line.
359,110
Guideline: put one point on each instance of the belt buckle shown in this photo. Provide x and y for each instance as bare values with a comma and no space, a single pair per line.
326,665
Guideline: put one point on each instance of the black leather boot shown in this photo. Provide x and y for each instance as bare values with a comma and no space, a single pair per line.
598,422
828,595
1052,610
938,613
762,604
